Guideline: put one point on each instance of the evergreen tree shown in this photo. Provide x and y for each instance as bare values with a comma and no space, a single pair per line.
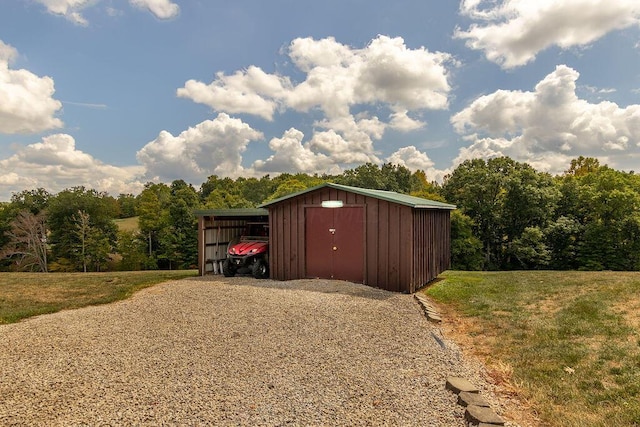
126,205
65,240
132,249
153,217
179,244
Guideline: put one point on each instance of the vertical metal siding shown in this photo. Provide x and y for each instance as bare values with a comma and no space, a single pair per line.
381,237
393,253
431,245
372,260
276,260
286,246
201,246
407,252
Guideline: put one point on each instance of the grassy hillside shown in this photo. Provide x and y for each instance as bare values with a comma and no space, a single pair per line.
127,224
566,342
24,295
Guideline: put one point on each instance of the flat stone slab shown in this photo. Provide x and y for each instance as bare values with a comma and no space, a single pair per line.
458,384
424,301
431,311
478,414
466,399
434,318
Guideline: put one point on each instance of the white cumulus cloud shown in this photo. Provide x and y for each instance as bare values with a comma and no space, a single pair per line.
401,121
211,147
162,9
411,158
341,150
27,104
414,160
56,164
548,126
7,53
512,32
71,9
386,71
337,79
251,91
293,156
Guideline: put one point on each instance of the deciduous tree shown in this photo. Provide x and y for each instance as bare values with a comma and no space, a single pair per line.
28,241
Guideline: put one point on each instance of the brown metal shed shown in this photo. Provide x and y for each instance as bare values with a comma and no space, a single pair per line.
380,238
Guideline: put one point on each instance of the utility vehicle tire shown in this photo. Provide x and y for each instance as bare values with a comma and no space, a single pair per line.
259,269
228,269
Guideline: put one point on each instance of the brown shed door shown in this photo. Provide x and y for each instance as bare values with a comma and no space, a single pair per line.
335,243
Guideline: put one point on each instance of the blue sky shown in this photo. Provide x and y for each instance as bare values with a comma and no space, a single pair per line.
111,94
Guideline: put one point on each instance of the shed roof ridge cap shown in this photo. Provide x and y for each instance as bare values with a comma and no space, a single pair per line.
394,196
387,195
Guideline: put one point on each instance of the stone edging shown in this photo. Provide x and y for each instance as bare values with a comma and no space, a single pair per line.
478,411
429,310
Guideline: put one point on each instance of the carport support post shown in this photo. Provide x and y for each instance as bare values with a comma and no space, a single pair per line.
202,267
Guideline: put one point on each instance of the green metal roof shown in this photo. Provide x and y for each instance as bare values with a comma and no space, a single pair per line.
243,212
389,196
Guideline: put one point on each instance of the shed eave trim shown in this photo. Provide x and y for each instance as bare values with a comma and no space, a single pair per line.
447,207
231,212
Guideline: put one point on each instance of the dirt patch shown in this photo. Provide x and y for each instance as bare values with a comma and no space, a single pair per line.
630,310
556,302
475,343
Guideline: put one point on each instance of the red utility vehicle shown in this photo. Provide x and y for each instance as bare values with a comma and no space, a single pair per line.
249,255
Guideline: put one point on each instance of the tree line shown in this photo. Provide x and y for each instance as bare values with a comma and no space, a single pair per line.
513,217
509,216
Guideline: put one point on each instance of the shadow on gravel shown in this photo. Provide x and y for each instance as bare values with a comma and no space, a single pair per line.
310,285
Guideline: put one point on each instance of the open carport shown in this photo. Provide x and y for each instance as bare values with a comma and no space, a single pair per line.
219,227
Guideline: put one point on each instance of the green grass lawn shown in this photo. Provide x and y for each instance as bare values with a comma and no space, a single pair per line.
24,295
568,341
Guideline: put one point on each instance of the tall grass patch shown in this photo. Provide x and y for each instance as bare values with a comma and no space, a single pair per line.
127,224
570,339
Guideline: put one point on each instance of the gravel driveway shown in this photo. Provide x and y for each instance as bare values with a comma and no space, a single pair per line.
212,351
